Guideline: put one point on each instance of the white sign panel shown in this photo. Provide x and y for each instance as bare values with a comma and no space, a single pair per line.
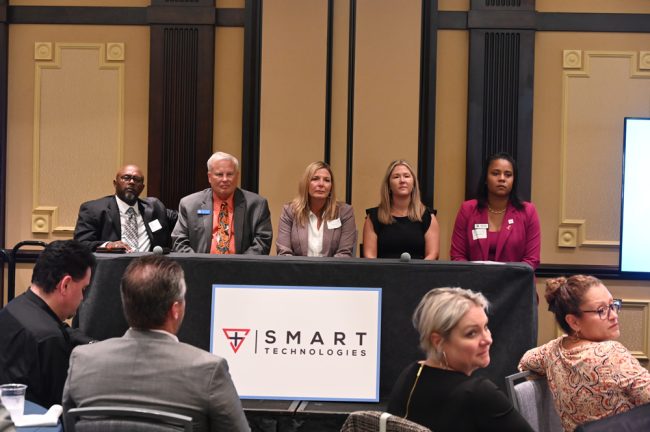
299,343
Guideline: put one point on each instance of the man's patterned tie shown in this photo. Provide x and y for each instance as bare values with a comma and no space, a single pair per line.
131,229
222,239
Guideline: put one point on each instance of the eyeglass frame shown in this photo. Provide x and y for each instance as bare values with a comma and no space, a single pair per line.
126,178
615,304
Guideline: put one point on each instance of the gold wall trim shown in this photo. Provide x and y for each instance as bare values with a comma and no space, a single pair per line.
576,64
638,348
48,55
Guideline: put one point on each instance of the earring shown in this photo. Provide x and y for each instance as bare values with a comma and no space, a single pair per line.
444,356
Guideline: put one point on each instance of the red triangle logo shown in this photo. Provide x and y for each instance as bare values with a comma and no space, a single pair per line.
236,337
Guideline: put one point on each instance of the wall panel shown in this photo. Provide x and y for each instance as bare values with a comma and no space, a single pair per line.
65,173
590,126
292,113
228,90
386,94
593,6
451,131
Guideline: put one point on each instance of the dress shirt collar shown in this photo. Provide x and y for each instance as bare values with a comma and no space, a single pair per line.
124,206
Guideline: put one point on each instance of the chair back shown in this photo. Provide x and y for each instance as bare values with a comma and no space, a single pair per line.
115,419
636,419
534,401
377,421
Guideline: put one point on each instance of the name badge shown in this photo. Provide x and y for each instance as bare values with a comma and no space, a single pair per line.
480,233
334,223
480,226
155,225
203,212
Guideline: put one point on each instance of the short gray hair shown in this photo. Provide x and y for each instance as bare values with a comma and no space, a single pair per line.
223,156
439,311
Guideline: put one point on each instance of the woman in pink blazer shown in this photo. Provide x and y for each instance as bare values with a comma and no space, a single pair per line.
314,223
497,226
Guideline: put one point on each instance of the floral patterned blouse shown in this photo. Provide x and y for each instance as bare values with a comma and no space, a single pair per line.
589,381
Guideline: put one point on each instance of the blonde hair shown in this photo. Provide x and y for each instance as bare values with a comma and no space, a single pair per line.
416,208
439,311
300,204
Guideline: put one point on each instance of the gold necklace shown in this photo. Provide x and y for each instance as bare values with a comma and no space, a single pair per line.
491,210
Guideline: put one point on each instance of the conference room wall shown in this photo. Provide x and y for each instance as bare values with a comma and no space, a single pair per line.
131,3
585,84
592,6
92,118
385,116
577,150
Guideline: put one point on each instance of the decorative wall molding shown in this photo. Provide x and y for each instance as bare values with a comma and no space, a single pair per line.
635,334
48,56
572,232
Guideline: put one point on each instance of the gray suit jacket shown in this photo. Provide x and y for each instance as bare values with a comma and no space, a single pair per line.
151,370
337,242
252,221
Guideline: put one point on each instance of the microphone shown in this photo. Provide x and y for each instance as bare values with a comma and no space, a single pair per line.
158,250
405,257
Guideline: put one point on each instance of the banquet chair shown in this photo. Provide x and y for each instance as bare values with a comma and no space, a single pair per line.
377,421
132,419
636,419
534,401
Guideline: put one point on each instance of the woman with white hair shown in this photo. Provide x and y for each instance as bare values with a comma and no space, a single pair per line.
440,392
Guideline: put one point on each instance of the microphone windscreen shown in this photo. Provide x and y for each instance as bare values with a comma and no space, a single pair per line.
157,250
405,257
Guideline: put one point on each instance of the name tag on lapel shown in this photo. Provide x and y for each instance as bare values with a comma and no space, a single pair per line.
334,223
154,225
203,212
479,233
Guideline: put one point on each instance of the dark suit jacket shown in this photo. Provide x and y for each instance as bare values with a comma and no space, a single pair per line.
151,370
519,239
99,221
337,242
252,221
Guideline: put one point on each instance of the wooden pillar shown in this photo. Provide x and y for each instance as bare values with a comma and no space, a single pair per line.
181,96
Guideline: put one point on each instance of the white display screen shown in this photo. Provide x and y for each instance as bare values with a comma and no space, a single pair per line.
635,219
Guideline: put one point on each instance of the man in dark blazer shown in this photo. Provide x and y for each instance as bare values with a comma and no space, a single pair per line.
247,212
148,367
101,222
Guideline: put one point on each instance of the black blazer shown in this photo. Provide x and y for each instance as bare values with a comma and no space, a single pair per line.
99,221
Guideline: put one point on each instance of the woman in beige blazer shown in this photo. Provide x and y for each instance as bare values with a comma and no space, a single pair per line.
314,223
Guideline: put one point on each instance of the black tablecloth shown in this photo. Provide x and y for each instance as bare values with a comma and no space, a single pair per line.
510,289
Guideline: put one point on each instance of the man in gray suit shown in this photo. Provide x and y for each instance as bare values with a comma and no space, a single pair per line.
206,218
148,367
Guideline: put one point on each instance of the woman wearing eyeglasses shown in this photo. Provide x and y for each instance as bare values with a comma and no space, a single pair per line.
441,392
590,374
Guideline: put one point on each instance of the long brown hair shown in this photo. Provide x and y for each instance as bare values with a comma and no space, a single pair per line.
416,208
